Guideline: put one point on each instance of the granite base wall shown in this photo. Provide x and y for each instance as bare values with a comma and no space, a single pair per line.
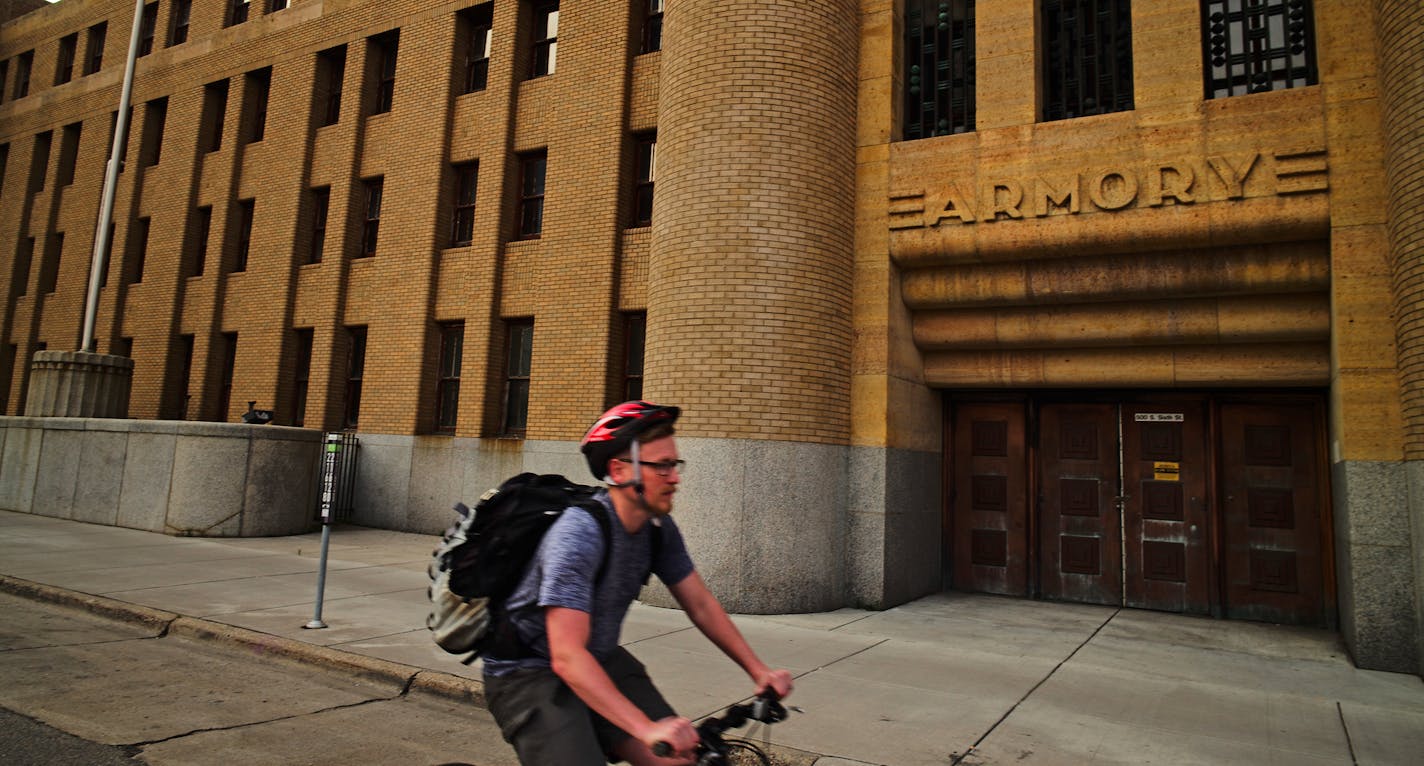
175,477
1377,508
775,527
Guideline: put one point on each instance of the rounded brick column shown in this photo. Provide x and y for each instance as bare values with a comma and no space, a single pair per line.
1401,77
749,289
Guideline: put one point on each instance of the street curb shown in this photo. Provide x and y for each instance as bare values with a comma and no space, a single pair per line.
144,616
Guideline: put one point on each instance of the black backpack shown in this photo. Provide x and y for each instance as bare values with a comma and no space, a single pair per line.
482,558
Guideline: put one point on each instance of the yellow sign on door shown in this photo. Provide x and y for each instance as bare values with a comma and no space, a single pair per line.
1166,471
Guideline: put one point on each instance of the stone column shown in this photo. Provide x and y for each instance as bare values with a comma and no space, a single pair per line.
78,384
749,292
1400,31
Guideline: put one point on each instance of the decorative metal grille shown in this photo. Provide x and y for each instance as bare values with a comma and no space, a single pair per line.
1255,46
1087,68
939,67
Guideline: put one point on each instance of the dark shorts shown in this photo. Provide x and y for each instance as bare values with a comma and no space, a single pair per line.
548,724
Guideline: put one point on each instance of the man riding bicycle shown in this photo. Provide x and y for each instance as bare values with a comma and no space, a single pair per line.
568,694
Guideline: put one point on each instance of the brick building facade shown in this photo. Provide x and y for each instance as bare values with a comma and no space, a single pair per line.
1080,299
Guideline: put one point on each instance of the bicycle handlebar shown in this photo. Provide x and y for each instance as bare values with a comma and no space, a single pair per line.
711,749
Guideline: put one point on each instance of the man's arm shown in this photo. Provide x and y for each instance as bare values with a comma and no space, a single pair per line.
568,630
707,614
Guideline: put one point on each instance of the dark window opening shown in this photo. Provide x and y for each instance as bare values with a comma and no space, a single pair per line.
155,118
108,259
331,70
180,14
39,161
1257,47
246,209
49,266
214,115
229,369
237,12
24,258
321,203
259,89
652,26
545,41
64,67
371,221
447,387
355,371
531,195
138,240
462,227
645,166
1087,66
23,65
4,78
94,47
939,68
69,152
276,5
384,49
185,374
148,24
301,377
635,332
475,25
199,232
519,346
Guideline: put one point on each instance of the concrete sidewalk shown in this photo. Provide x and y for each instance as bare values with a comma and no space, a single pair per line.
953,678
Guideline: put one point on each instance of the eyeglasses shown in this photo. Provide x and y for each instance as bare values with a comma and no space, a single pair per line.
662,468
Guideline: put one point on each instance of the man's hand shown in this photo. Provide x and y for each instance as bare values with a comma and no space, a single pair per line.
677,732
778,681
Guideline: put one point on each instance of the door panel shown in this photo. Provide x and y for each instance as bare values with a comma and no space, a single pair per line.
990,512
1165,509
1079,531
1271,492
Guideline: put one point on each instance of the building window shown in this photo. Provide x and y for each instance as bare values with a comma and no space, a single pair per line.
371,216
531,195
148,23
246,209
475,25
214,115
384,49
94,47
939,68
447,387
198,232
4,78
301,378
49,266
1256,47
519,348
109,262
321,202
652,25
180,14
276,5
330,71
39,161
462,226
23,260
237,12
645,166
635,333
355,370
64,67
229,369
259,89
68,152
155,117
1087,66
545,42
23,64
184,351
138,252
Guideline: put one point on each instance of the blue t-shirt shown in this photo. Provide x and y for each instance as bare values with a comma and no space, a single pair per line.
564,572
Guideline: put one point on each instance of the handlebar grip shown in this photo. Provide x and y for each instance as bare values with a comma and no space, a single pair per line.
662,749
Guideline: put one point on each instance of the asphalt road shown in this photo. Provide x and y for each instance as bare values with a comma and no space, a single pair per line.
79,689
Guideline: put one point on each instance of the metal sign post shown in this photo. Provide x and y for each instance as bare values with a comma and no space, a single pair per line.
328,500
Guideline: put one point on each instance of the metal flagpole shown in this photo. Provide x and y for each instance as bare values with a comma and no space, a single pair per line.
111,180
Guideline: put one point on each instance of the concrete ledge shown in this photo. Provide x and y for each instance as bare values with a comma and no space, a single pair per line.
176,477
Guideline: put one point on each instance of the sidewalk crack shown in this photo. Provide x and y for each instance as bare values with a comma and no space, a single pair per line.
1339,710
278,719
957,758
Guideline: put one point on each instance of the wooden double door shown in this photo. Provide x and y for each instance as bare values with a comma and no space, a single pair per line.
1196,504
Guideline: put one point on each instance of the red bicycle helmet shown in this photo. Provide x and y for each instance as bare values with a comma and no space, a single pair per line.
615,430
